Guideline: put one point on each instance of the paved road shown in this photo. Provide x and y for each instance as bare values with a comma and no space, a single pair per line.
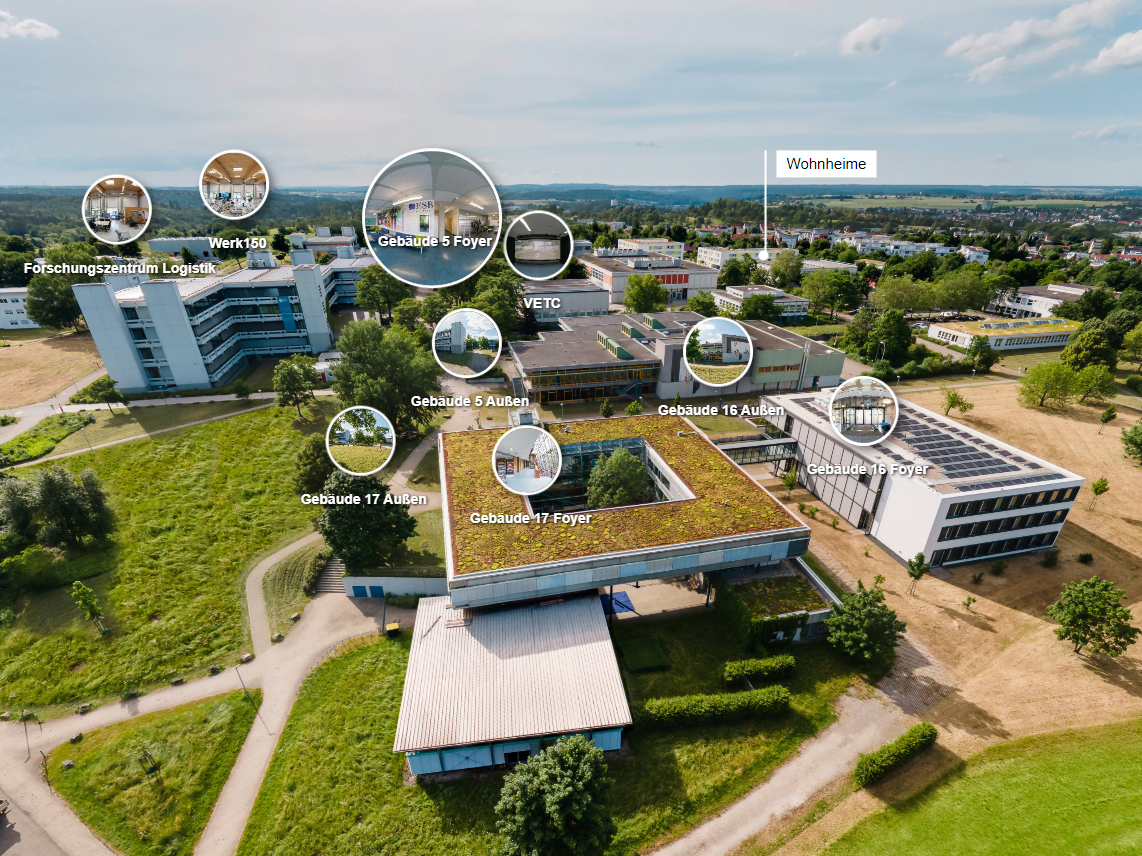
20,836
31,414
256,598
863,725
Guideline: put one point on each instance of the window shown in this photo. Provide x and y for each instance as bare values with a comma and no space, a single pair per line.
517,757
146,353
130,313
152,373
139,334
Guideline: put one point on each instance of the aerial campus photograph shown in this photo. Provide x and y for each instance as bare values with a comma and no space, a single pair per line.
644,429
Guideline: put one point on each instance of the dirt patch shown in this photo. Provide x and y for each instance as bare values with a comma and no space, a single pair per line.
37,370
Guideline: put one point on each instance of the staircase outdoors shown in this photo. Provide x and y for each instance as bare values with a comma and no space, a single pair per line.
330,579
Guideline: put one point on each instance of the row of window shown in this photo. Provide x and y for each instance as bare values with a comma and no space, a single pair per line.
792,368
659,473
592,376
992,548
1003,503
1002,524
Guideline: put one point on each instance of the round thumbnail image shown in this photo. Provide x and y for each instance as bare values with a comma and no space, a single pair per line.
234,184
116,209
538,245
718,351
360,440
432,218
863,410
527,460
466,343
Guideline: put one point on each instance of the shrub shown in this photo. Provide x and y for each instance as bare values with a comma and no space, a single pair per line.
7,419
812,512
801,507
997,568
1050,559
41,439
316,566
769,669
977,578
404,601
1086,558
876,765
1134,382
702,709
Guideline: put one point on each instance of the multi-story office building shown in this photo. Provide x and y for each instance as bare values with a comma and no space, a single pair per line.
325,241
13,308
933,486
199,247
566,298
792,308
451,339
196,333
637,355
682,279
715,257
665,246
1037,301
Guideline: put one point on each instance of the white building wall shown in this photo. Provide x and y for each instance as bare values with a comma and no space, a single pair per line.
112,337
907,517
13,308
173,330
311,296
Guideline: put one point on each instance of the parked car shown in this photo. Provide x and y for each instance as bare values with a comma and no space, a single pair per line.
4,806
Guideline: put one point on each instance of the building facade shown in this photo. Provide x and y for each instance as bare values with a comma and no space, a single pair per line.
1037,301
664,246
682,279
196,333
1007,335
14,309
199,247
791,307
978,498
566,298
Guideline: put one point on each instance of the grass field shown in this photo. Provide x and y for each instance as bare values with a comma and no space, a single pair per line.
122,423
195,746
722,425
36,370
405,446
42,438
469,363
335,787
1069,792
717,374
428,471
360,459
192,508
283,587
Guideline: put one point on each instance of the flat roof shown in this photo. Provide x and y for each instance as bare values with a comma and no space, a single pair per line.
727,501
1010,327
617,264
496,674
564,285
961,459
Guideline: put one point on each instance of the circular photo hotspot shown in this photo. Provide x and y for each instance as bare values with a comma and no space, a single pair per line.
360,440
718,351
116,209
863,411
234,184
538,245
466,343
527,460
432,218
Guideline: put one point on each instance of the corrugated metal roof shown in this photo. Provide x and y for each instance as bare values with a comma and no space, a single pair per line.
525,671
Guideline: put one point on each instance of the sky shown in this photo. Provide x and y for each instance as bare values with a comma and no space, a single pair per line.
476,323
639,93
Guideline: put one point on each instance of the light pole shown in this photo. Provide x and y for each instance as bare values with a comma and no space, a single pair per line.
973,374
84,433
898,381
880,349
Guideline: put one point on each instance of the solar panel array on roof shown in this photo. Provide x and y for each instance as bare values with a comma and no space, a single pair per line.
957,459
1008,482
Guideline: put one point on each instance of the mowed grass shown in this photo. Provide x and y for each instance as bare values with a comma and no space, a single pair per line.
121,423
680,777
718,374
1071,792
721,425
195,746
360,459
192,508
428,471
335,787
284,586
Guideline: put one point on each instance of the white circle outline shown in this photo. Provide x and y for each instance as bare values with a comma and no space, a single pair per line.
392,451
499,219
265,172
558,451
748,364
444,365
895,418
507,234
83,210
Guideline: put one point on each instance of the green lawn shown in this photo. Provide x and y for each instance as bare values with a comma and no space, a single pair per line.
195,746
360,459
677,778
1072,792
9,334
334,786
428,470
284,587
41,438
721,424
193,507
779,595
420,556
1029,357
119,424
405,446
718,374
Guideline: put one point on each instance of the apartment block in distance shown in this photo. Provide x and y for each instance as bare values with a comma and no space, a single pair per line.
13,308
199,332
665,246
979,498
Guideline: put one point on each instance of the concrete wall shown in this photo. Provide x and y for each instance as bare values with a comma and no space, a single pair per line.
109,330
311,296
488,754
172,328
394,585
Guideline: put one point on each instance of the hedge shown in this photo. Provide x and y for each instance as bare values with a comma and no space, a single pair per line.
769,669
708,709
876,765
40,439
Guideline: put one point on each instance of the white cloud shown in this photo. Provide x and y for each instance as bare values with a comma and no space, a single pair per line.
1126,52
1022,34
1124,131
25,28
1002,64
1000,158
891,84
870,37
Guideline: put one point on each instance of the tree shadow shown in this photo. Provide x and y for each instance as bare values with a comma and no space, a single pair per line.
977,620
1124,675
917,776
954,711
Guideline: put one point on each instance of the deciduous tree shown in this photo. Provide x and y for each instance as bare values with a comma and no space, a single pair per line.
618,479
378,288
1095,384
86,600
1089,614
863,626
703,304
917,567
558,803
103,391
1107,416
1088,348
362,534
954,401
1097,489
644,293
294,379
759,307
313,466
1047,383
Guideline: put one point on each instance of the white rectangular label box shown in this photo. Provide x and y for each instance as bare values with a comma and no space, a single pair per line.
798,163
